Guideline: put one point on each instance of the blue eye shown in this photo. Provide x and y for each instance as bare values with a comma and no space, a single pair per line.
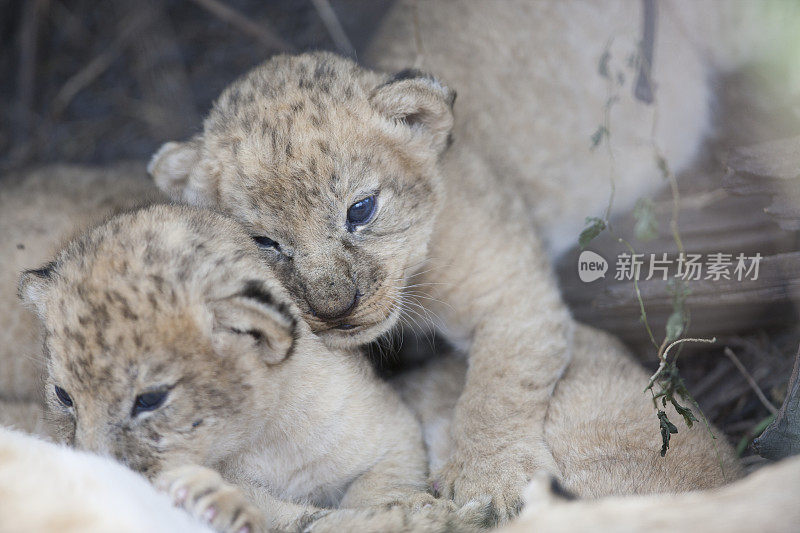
149,401
267,243
63,397
361,212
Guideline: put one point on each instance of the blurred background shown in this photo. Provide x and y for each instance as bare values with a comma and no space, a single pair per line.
94,81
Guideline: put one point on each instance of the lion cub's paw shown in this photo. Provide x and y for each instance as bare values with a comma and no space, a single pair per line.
422,500
498,480
208,497
473,516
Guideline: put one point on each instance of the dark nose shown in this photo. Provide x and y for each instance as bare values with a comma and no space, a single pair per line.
334,310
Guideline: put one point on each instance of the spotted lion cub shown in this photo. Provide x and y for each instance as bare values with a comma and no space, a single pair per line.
170,346
341,175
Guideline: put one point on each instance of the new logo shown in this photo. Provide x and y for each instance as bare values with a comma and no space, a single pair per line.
591,266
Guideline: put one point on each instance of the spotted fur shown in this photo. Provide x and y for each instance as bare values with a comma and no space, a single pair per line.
288,147
179,300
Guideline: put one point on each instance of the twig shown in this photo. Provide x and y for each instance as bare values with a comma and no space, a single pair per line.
643,90
764,400
260,32
420,59
29,36
663,355
95,68
159,69
334,27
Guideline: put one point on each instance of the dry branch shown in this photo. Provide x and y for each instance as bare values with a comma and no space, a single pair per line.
334,27
260,32
752,382
28,39
95,68
159,69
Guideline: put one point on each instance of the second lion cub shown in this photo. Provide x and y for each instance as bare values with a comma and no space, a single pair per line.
170,346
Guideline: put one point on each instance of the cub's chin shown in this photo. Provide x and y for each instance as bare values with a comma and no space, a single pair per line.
350,336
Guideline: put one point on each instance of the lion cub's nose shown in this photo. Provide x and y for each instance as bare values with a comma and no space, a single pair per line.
331,309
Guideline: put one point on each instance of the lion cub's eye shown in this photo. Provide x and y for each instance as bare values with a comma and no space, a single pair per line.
63,397
267,243
149,401
361,212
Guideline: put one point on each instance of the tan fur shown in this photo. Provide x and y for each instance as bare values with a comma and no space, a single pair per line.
601,427
38,210
764,501
291,145
287,148
179,300
531,94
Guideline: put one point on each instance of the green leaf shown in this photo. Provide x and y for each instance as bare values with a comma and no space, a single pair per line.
678,319
667,429
685,412
752,434
594,227
646,228
675,325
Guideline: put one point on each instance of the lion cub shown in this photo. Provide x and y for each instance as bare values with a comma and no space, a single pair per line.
170,345
342,176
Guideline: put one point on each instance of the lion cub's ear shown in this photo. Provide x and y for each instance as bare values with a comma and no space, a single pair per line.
419,100
251,320
174,170
33,285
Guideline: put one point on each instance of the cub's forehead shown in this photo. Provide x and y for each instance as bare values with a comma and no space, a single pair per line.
294,107
149,261
300,131
322,78
118,345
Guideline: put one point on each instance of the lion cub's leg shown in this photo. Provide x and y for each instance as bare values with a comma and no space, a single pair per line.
500,300
601,427
230,509
252,508
604,433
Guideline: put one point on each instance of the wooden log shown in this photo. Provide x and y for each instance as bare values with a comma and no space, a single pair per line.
710,222
771,168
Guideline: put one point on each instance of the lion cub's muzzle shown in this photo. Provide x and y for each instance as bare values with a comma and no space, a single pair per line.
332,301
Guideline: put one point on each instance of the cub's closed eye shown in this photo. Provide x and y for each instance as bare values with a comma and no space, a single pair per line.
63,397
266,242
361,212
149,401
